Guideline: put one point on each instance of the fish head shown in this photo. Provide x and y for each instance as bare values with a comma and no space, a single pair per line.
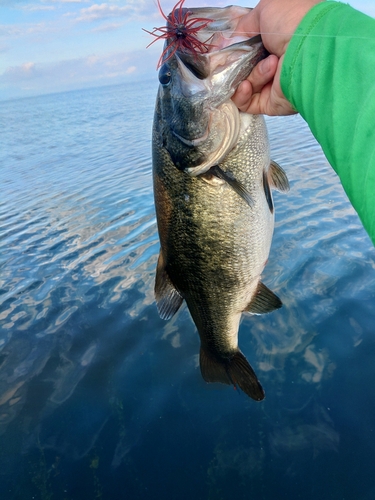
199,124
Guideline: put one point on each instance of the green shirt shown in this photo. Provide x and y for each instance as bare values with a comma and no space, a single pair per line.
328,75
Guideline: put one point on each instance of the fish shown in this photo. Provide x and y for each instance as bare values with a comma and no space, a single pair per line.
212,180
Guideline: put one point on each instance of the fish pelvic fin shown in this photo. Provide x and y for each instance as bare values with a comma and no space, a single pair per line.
232,370
168,299
263,301
278,178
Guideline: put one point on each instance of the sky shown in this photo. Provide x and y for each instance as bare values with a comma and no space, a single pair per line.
51,46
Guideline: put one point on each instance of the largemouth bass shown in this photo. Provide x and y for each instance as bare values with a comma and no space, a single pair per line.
212,176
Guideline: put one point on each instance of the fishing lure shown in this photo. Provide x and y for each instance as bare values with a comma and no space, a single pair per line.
180,32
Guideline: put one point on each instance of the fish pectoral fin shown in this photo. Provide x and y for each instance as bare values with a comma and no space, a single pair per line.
168,299
233,183
232,370
278,178
263,301
267,191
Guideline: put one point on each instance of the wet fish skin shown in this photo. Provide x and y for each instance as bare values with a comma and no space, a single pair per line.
214,244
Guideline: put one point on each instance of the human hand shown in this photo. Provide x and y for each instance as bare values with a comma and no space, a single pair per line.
276,21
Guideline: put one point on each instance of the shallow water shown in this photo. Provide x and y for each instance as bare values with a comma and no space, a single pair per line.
99,398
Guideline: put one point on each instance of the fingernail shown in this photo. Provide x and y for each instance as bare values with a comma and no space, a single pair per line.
242,87
264,66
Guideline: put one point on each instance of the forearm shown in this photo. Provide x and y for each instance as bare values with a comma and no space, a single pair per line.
328,75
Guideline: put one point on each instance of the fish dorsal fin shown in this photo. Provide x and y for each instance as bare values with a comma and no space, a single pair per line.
263,301
168,299
233,183
278,178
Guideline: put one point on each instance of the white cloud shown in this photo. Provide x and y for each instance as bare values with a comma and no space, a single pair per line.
27,67
24,29
103,11
23,72
67,1
36,8
33,78
107,27
10,3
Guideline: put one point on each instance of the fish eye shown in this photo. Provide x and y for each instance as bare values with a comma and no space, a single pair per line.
165,75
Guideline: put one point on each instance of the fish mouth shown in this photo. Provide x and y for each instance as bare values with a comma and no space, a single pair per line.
212,78
220,137
226,118
218,62
204,125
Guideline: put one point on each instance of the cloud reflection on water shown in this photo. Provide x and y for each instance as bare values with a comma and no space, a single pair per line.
87,365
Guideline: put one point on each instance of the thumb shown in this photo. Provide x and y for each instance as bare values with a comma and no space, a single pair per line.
248,24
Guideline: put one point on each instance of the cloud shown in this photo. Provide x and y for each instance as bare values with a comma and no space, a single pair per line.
10,3
33,78
107,27
98,12
23,72
24,29
27,67
37,8
68,1
134,9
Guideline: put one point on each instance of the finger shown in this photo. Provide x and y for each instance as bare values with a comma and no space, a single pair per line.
271,100
248,24
263,73
262,102
242,96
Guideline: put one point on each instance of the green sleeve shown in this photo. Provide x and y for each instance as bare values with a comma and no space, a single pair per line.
328,75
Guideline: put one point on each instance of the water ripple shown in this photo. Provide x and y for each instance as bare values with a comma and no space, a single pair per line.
80,338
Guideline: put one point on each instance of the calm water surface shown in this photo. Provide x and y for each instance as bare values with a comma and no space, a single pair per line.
99,398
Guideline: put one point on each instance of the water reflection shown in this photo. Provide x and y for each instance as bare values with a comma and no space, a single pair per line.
317,438
98,396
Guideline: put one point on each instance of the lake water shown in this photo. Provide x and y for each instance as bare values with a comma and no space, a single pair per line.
99,398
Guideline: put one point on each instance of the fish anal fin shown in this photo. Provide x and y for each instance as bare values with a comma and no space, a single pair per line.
168,299
263,301
278,178
232,370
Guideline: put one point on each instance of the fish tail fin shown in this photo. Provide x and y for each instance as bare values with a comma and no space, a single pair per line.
232,370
